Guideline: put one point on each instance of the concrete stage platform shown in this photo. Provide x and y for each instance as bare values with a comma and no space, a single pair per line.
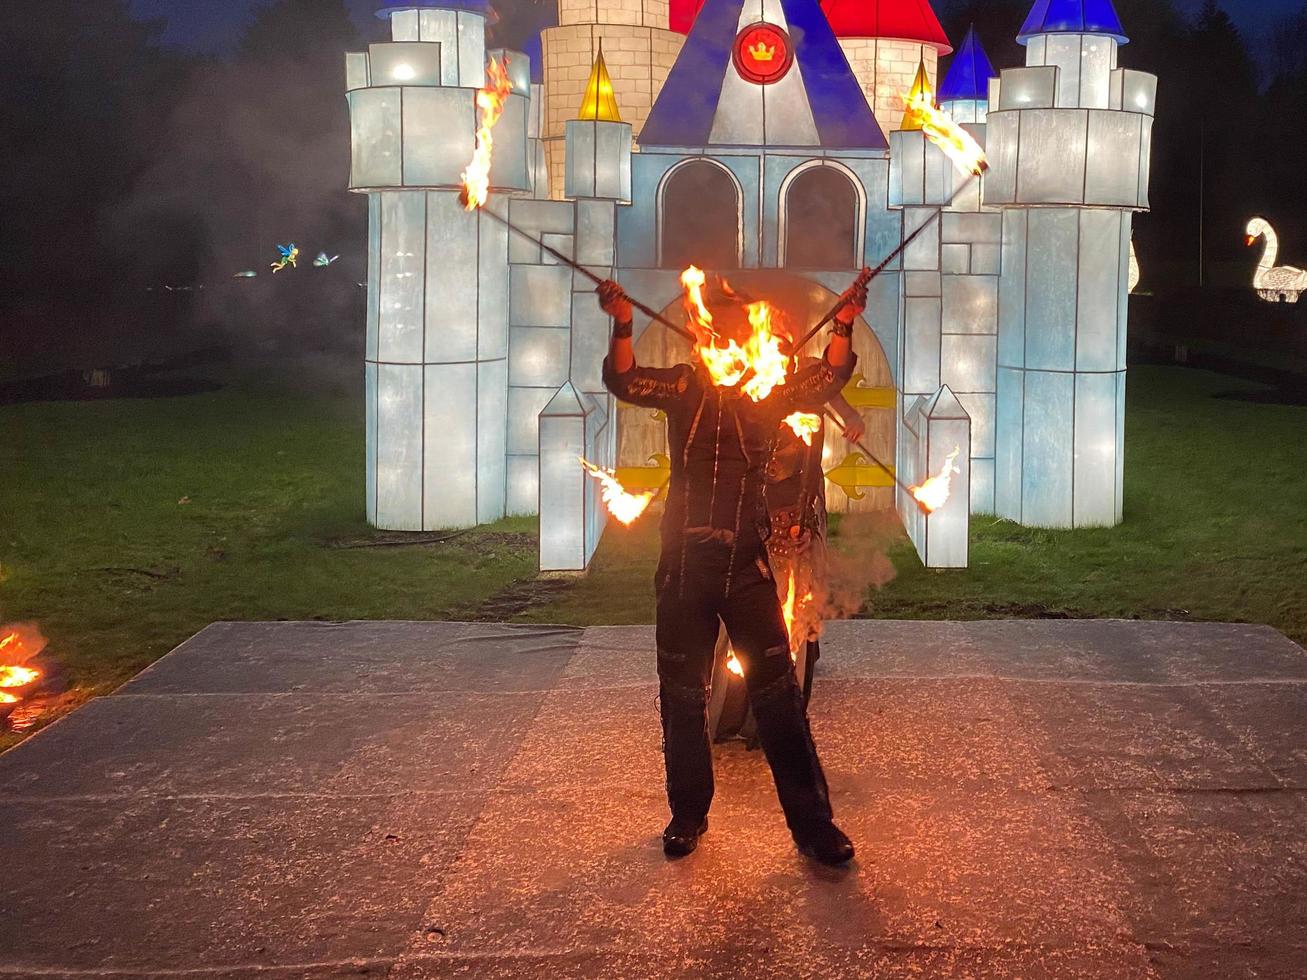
420,800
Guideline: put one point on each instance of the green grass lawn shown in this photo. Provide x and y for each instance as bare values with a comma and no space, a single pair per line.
97,545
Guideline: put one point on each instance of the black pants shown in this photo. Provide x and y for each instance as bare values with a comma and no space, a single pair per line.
688,614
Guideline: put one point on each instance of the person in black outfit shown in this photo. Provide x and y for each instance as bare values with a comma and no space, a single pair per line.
713,565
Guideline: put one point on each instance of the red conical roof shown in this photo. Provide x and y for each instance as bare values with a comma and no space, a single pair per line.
907,20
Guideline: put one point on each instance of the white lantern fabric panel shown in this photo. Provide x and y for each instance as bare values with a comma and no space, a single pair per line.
598,159
943,426
563,490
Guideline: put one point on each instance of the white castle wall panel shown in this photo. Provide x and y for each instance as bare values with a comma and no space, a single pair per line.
524,405
452,280
540,295
1009,420
523,496
375,139
404,64
1051,289
1096,450
402,311
1051,156
1026,88
1001,148
970,306
1047,465
590,330
449,441
987,257
398,450
955,258
1012,291
1112,177
374,278
923,253
971,227
982,485
967,361
921,344
492,441
539,357
922,284
982,407
596,233
1096,333
510,164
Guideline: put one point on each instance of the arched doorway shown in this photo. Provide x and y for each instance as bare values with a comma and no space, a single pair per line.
641,434
699,217
822,212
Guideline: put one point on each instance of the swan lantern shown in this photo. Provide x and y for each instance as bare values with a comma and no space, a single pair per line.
1274,283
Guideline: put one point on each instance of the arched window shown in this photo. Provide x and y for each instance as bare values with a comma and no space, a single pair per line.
699,217
822,216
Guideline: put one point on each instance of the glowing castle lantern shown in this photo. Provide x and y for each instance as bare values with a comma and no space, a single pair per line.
884,42
573,427
1069,148
936,457
598,143
437,337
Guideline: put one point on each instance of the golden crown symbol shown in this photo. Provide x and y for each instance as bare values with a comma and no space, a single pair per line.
760,52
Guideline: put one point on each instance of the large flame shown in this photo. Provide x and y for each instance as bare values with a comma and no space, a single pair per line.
956,143
805,425
758,366
624,506
934,493
490,106
789,609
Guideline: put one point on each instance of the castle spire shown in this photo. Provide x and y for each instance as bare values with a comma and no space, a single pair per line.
968,74
599,104
921,89
1073,17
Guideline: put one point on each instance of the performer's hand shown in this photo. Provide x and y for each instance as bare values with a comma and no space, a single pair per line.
855,301
614,301
854,429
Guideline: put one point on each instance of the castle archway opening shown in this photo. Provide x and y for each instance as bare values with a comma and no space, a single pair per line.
699,217
821,220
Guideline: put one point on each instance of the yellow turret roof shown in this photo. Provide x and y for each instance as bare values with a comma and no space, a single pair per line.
921,90
599,103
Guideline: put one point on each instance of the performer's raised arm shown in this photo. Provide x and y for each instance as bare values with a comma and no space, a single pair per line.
814,386
648,387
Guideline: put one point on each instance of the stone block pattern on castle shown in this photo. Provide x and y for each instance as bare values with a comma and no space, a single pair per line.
885,70
638,59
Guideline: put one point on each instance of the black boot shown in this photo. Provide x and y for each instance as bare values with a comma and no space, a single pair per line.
825,842
682,836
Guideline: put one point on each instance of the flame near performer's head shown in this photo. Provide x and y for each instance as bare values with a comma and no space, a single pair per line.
749,351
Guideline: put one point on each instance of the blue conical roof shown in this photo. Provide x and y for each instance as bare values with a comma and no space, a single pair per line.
818,103
968,73
1073,17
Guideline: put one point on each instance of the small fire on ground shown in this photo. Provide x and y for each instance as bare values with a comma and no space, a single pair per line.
490,106
19,643
934,493
622,504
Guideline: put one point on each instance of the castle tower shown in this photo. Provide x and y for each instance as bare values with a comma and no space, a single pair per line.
1069,146
436,360
638,47
885,41
964,93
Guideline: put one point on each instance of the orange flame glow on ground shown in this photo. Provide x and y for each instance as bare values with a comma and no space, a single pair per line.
624,506
804,424
956,143
758,366
490,106
19,643
934,493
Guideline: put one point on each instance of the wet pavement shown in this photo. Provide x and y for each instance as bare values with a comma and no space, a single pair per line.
420,800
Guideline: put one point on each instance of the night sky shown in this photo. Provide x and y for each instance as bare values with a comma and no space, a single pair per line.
211,25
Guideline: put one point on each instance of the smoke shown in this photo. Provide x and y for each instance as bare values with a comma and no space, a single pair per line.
255,154
857,562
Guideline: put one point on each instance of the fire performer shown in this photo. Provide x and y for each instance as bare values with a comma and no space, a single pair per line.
714,565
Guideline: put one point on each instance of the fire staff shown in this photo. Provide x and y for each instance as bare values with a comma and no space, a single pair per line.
714,566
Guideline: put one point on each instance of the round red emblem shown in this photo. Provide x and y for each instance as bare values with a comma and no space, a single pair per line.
763,53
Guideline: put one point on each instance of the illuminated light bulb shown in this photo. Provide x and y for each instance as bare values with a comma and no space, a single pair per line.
404,73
